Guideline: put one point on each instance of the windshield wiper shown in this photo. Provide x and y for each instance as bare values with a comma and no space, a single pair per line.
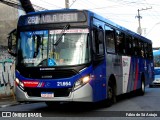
62,34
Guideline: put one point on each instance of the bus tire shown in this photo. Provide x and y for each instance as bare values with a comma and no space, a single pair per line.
111,93
142,89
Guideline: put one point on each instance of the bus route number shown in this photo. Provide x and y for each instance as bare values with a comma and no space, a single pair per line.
64,83
33,20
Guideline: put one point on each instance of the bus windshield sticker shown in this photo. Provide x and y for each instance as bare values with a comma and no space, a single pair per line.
30,60
70,31
51,62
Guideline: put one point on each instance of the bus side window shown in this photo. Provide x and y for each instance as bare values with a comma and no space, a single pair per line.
138,48
145,50
135,46
98,38
120,42
141,49
94,35
101,41
129,45
150,52
109,38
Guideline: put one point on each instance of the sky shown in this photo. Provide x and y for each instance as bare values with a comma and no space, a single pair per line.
122,12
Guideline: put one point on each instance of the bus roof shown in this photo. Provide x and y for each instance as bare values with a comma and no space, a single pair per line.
121,28
90,13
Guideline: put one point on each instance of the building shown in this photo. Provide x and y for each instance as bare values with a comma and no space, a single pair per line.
9,17
8,21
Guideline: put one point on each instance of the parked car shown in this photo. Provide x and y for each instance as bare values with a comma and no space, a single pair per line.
156,81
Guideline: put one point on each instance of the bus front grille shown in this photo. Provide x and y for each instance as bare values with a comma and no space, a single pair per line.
57,74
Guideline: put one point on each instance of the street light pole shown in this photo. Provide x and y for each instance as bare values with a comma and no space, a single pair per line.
139,30
66,4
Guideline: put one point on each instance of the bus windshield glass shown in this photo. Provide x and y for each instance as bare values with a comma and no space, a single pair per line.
49,48
156,54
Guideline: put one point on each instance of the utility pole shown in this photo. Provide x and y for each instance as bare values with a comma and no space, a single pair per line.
139,30
67,4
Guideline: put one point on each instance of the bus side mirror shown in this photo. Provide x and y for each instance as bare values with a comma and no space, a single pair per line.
12,43
9,43
12,53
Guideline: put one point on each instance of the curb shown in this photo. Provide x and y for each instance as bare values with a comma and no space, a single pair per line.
10,104
6,101
13,103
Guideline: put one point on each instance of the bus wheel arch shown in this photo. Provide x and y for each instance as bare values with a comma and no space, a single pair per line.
111,90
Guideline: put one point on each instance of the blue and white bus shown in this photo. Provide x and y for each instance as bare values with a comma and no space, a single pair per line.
78,56
156,56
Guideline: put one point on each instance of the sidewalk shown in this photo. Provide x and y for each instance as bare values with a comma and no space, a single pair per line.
7,101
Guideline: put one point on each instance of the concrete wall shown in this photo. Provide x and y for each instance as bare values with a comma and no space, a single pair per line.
7,76
7,72
8,22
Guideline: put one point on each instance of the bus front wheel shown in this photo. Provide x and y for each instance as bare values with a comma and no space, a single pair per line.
111,93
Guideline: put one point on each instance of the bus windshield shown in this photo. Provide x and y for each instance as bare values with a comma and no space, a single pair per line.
54,48
156,54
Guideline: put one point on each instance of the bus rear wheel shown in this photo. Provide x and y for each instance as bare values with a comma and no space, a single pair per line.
111,92
141,91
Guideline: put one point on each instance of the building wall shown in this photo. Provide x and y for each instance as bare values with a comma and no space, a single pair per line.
7,72
8,22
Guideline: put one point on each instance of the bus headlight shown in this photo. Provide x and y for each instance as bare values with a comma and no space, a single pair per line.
79,83
19,83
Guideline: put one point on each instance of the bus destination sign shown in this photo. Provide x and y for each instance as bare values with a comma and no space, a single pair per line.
55,18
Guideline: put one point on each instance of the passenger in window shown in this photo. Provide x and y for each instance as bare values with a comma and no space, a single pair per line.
61,61
142,53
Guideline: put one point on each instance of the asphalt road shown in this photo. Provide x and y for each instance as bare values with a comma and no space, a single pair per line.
127,108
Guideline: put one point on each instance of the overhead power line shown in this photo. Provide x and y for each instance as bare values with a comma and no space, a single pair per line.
72,3
50,4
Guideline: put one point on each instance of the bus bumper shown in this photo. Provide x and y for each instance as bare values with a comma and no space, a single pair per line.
83,94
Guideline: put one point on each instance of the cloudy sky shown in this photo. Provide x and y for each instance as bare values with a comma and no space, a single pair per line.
122,12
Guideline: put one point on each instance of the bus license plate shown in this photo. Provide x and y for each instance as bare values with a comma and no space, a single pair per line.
47,94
